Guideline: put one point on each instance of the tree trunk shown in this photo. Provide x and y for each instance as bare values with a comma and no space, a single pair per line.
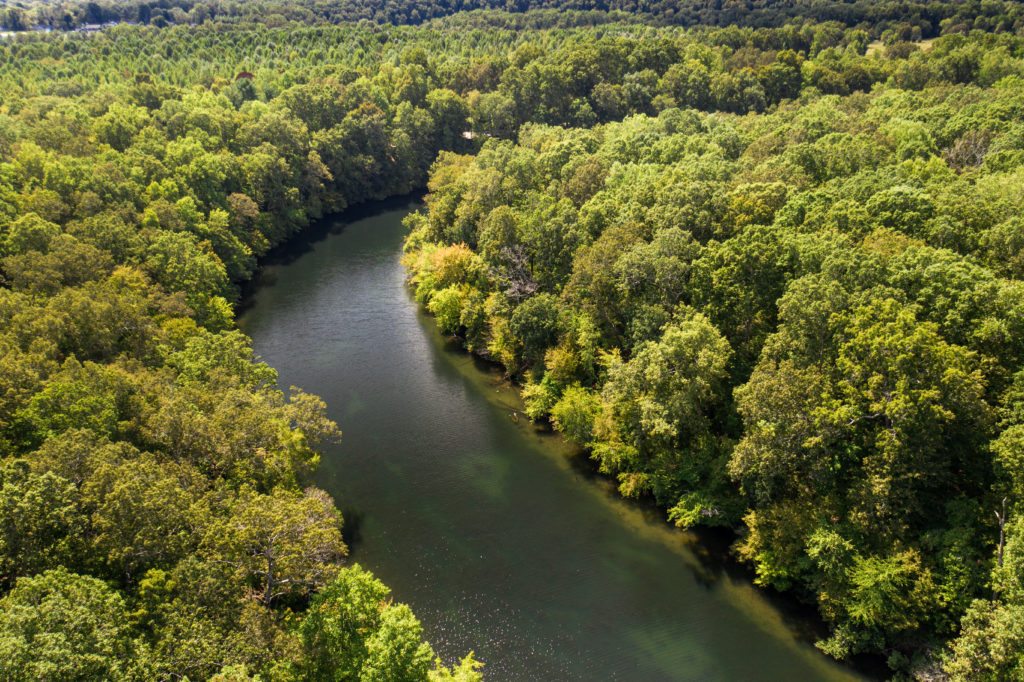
1001,518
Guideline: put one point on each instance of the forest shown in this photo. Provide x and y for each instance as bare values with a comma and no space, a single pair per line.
764,265
790,306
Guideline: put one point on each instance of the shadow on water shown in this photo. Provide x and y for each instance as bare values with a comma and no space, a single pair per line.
302,243
503,537
352,529
711,547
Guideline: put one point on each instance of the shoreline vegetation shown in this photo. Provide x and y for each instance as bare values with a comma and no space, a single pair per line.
646,285
713,543
765,277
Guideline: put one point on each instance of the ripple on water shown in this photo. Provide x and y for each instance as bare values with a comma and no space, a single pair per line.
482,525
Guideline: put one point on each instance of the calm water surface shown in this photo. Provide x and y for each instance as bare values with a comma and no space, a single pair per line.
498,539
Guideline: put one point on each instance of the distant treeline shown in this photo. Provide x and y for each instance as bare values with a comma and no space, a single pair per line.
888,19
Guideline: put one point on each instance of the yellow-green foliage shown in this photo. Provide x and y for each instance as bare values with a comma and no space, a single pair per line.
801,322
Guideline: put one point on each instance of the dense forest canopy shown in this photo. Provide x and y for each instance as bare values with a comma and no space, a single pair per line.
768,274
781,295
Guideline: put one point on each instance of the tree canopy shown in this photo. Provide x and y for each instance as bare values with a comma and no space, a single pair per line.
762,260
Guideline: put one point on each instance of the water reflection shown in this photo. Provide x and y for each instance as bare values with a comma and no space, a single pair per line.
501,537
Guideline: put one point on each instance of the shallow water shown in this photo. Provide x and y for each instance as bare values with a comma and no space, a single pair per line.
493,531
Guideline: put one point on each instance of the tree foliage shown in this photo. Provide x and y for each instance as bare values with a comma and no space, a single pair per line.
780,299
766,269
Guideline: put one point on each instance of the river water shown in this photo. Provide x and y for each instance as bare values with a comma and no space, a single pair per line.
493,531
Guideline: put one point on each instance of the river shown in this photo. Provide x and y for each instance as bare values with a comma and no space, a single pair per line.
493,531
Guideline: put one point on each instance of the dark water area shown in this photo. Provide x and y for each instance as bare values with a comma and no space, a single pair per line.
497,533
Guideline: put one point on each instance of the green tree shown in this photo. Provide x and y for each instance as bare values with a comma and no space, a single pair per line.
40,523
654,429
535,325
396,652
288,544
62,626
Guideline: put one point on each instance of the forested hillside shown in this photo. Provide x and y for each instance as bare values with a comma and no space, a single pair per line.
802,320
768,276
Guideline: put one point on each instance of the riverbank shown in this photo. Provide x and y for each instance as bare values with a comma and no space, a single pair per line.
490,529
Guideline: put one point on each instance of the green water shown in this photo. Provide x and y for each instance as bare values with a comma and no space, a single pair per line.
495,533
